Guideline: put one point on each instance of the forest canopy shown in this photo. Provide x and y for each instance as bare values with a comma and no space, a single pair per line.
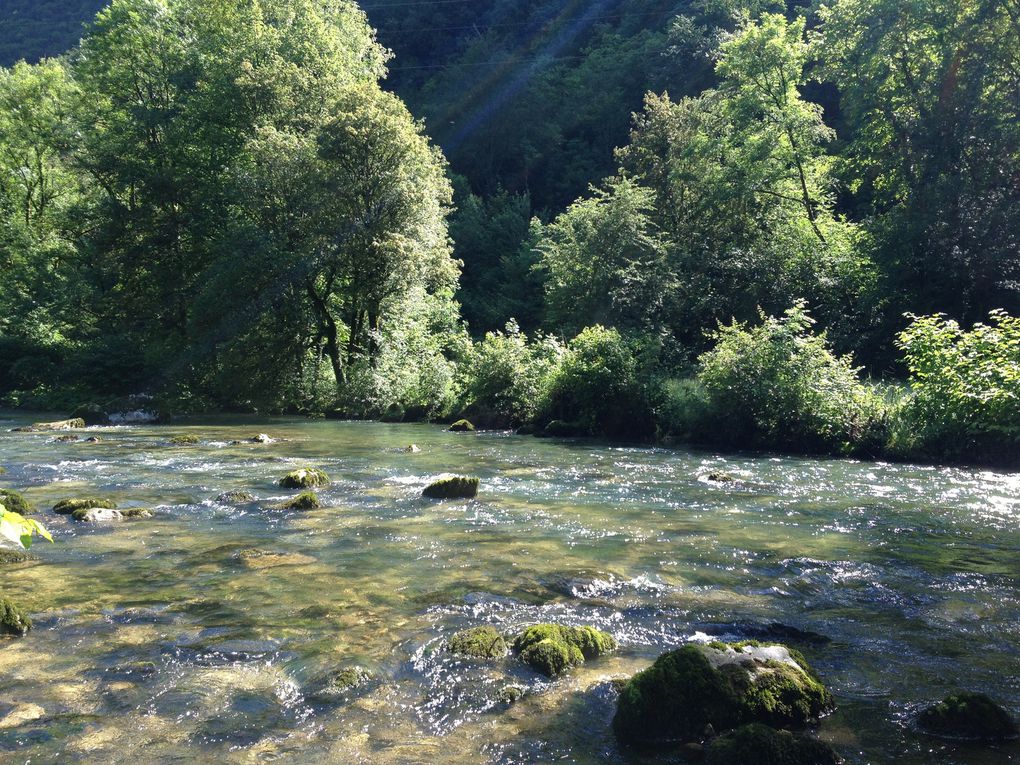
245,205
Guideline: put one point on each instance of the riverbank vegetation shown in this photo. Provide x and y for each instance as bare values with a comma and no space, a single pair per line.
807,241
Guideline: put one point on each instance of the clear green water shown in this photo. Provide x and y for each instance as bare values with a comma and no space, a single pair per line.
912,572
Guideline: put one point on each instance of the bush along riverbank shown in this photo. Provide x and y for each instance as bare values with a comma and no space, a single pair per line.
776,385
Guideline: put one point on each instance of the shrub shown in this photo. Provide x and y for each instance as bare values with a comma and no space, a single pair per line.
778,385
504,376
597,387
965,384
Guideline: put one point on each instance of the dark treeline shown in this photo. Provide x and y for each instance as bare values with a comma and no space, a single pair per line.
220,203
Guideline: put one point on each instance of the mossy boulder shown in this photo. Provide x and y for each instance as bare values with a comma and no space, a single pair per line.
510,694
238,497
462,426
109,514
563,429
68,506
456,487
552,649
723,686
718,476
758,744
13,557
338,685
969,716
14,502
186,440
74,423
304,478
91,414
478,643
70,438
307,500
13,620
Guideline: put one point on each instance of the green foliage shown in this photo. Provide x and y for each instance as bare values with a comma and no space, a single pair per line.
16,528
779,385
598,387
505,377
965,385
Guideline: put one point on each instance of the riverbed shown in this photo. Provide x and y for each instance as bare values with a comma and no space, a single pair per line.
195,635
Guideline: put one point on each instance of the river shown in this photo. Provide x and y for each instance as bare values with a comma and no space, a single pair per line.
160,640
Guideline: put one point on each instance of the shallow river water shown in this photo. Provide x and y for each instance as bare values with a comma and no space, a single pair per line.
156,641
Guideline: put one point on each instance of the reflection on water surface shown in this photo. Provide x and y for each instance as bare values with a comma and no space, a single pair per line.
197,635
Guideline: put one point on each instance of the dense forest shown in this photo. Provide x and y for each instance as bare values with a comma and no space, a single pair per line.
676,220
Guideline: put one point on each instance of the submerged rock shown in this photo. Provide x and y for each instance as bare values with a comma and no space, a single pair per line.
718,476
68,506
13,620
968,716
412,449
510,694
238,497
14,502
75,423
462,426
722,686
457,487
186,440
262,559
337,685
68,439
93,440
552,649
758,744
304,478
307,500
478,643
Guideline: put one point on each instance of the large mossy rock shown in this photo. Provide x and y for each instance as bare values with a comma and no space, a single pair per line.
109,514
968,716
462,426
478,643
456,487
758,744
553,649
724,686
13,620
68,506
304,478
15,503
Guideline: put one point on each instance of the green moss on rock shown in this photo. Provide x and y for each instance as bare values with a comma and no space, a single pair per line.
457,487
236,497
720,685
510,694
307,500
13,557
758,744
14,502
552,649
338,684
13,620
462,426
478,643
971,716
187,440
109,515
68,506
304,478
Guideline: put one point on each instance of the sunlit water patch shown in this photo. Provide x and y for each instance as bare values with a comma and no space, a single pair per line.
201,634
